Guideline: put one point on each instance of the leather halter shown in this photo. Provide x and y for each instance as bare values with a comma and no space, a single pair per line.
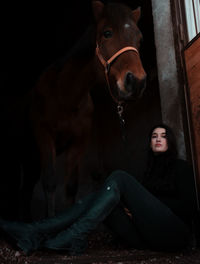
107,65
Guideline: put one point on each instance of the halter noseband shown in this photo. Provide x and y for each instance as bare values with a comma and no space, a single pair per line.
107,65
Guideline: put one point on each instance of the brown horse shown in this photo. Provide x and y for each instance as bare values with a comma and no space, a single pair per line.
61,106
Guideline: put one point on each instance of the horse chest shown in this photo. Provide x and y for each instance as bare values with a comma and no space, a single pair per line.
73,122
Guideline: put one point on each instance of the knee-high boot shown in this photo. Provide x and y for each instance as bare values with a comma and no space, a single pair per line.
74,239
30,236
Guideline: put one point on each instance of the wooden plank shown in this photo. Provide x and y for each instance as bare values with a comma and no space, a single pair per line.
192,61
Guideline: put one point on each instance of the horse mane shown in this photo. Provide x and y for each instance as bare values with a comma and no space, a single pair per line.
83,48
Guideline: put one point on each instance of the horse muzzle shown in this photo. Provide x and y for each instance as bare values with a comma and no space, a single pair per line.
133,87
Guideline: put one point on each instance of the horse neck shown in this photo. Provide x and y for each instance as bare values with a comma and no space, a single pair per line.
74,75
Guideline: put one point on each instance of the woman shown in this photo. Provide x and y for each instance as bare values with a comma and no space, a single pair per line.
161,208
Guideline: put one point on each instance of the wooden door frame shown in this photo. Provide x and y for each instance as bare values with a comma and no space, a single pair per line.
181,44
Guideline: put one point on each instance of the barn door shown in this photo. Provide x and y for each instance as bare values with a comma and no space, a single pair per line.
186,16
192,64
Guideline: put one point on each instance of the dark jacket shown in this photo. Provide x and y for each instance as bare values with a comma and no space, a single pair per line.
174,185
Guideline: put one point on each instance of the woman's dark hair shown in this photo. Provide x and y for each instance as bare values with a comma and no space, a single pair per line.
161,164
171,140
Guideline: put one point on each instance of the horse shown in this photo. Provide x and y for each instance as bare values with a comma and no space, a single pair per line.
61,105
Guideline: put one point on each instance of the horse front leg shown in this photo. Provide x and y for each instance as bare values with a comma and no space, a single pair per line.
74,157
48,176
49,182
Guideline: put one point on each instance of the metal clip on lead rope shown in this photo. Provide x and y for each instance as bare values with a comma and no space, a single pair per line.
120,110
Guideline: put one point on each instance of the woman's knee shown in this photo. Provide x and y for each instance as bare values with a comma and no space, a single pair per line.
118,176
121,179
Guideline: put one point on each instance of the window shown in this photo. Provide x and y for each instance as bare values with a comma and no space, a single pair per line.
192,14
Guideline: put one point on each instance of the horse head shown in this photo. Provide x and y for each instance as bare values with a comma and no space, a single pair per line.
117,48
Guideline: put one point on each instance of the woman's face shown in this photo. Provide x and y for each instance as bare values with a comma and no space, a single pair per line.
159,140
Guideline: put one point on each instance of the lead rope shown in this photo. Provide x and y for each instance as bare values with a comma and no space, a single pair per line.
120,110
106,65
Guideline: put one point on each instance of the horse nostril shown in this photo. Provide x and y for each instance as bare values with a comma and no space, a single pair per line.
129,82
129,77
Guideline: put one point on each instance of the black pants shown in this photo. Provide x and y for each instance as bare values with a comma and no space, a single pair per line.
153,224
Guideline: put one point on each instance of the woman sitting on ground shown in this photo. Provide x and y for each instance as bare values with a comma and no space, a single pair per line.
161,208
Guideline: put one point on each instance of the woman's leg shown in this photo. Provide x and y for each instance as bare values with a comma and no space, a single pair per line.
85,217
74,238
29,236
123,228
153,220
156,223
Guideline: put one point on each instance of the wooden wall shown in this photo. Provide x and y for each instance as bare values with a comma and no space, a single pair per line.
192,61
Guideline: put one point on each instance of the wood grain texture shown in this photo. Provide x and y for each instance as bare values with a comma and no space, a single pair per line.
192,61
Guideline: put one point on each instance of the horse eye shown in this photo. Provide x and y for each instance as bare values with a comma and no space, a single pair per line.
107,34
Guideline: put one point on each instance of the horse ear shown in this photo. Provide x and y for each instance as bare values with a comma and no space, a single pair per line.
98,7
136,14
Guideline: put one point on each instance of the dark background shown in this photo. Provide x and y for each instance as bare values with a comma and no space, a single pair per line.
33,36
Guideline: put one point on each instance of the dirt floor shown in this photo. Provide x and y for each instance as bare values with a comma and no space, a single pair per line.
102,249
